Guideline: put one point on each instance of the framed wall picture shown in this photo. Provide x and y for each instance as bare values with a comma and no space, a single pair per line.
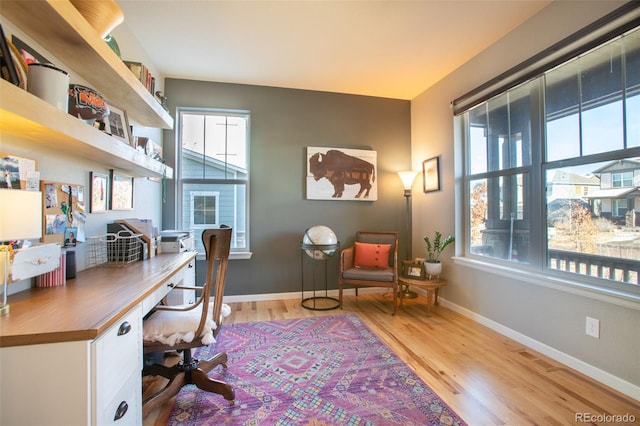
117,125
431,174
99,188
121,191
341,174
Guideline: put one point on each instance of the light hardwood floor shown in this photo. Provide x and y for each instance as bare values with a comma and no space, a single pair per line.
487,378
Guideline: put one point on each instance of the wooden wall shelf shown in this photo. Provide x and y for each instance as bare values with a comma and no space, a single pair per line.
61,29
29,117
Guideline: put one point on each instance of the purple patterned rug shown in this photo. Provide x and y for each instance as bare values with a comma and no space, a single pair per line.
313,371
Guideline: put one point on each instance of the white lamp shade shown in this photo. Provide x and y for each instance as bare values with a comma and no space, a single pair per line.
407,178
20,215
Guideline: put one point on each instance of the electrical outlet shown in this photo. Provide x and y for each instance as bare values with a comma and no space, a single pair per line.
593,327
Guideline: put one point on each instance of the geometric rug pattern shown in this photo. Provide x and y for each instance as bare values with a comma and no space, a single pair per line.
312,371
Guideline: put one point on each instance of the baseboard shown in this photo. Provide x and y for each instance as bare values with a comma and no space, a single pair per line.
297,295
589,370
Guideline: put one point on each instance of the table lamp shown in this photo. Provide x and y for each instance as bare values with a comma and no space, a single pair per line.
20,219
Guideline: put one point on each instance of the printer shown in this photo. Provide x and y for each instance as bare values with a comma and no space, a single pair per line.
176,241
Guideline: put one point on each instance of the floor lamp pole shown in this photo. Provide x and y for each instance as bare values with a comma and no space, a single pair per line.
405,293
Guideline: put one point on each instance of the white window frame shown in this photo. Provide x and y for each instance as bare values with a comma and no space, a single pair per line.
536,272
236,253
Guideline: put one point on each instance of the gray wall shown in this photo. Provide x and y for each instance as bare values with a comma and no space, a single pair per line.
283,123
549,313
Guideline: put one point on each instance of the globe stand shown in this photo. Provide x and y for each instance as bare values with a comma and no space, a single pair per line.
318,253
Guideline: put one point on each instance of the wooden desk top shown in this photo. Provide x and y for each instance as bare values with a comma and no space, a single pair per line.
88,304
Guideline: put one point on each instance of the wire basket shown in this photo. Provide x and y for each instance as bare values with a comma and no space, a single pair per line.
114,249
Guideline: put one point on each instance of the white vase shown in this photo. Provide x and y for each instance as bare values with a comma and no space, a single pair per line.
433,269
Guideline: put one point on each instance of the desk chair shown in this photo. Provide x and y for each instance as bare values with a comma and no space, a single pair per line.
371,262
185,327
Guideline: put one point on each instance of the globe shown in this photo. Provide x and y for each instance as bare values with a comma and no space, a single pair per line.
319,235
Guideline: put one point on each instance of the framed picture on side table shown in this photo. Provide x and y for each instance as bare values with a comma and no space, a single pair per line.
413,270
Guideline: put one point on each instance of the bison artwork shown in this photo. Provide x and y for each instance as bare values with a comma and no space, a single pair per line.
342,169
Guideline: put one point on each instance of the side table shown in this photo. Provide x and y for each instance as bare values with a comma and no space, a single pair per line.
432,286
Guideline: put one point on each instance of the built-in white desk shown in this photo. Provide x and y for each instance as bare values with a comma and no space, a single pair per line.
72,355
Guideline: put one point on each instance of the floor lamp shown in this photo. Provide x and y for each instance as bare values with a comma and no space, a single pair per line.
407,178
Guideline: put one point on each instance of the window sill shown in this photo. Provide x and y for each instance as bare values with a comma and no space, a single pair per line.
625,299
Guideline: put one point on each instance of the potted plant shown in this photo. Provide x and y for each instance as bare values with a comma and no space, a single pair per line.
434,250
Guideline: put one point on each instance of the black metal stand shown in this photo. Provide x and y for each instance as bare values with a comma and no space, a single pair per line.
318,303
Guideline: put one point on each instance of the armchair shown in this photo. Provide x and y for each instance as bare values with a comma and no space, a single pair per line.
371,262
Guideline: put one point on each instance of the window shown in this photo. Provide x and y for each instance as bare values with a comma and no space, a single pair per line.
204,209
622,180
552,175
213,167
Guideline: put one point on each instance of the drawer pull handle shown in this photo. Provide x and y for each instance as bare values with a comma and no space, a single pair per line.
172,285
121,411
125,327
190,265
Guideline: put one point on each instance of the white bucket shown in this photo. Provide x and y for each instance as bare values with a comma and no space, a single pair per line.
50,84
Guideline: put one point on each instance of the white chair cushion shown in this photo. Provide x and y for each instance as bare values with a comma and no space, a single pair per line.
172,327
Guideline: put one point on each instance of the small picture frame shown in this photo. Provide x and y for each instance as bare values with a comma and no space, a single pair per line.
431,174
70,236
412,269
121,191
117,125
99,190
8,68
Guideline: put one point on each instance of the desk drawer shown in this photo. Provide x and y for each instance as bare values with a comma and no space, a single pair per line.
155,297
117,354
125,407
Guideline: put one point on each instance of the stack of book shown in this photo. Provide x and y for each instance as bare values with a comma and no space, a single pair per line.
143,74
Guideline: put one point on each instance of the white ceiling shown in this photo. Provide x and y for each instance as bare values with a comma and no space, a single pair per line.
386,48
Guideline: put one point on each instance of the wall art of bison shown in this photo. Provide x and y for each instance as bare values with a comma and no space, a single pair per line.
341,174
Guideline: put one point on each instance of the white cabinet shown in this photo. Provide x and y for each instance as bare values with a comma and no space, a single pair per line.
76,383
63,31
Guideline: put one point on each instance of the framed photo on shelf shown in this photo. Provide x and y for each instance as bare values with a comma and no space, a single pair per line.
121,191
431,174
117,125
99,190
9,71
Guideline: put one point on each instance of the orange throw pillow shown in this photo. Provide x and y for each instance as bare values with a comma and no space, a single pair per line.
372,256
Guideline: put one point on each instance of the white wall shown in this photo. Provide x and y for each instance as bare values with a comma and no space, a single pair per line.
544,315
58,167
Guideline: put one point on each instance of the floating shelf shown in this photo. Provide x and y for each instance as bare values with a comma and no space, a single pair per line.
29,117
62,30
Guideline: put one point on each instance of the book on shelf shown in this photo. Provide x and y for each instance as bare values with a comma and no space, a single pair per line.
143,74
